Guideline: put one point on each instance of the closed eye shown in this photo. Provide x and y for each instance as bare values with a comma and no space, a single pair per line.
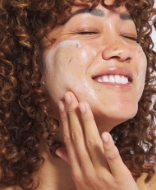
131,38
86,32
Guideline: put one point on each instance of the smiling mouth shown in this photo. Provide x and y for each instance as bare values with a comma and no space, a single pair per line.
115,79
115,76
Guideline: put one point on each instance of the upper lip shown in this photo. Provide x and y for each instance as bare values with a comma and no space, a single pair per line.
115,71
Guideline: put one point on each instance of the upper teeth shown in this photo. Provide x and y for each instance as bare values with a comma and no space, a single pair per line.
113,79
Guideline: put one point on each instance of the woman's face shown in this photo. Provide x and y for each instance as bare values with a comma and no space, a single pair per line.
96,56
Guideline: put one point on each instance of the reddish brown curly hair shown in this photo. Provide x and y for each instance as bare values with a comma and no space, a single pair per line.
24,114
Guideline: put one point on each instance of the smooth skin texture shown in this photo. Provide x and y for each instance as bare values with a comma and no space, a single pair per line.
81,52
95,162
84,51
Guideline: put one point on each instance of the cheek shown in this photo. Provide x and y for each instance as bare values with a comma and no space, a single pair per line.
141,70
66,68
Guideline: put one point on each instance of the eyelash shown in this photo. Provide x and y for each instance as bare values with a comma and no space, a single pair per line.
86,32
93,32
131,38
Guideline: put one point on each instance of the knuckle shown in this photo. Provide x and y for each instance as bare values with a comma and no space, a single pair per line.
70,110
87,119
120,179
76,136
76,177
101,178
89,179
63,116
67,139
111,157
91,143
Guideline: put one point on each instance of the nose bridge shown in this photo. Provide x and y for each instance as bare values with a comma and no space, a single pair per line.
114,46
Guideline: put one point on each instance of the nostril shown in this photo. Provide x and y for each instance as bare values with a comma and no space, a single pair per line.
117,50
128,60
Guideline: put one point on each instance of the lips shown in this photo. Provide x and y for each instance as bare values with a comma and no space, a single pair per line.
114,75
113,79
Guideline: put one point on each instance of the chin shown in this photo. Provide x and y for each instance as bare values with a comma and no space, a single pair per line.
125,114
106,121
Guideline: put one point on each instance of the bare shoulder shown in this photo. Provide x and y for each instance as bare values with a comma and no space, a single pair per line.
151,185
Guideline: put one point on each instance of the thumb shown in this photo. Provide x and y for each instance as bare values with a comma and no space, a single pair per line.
62,153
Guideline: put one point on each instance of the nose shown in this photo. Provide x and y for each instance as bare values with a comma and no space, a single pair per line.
115,48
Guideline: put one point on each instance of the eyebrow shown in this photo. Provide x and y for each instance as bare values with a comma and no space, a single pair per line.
95,12
125,16
98,13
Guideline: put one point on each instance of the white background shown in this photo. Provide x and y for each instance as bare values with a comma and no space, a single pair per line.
154,38
154,34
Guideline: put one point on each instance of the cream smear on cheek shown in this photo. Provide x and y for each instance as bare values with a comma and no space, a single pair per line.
66,69
141,74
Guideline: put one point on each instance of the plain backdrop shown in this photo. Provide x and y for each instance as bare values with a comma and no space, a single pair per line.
154,34
154,38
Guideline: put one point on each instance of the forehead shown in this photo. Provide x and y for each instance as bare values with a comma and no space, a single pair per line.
82,11
98,11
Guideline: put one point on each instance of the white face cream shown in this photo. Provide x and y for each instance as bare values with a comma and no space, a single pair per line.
64,64
85,55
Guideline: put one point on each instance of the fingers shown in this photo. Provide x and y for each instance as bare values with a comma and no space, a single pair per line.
81,131
66,131
73,133
113,158
92,137
62,153
94,161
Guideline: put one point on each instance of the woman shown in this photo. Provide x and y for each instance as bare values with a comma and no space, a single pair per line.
71,72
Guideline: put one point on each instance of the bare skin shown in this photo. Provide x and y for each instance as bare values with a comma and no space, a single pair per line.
95,163
90,160
49,180
56,173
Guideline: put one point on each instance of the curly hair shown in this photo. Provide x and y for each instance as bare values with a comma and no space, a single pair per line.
25,117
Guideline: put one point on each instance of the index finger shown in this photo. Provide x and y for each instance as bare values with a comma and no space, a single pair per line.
92,136
116,165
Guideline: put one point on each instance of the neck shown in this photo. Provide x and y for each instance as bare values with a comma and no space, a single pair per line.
54,174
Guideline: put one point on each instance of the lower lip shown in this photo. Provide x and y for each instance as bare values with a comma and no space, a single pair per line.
122,86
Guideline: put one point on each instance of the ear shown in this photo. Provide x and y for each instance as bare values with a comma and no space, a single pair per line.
62,153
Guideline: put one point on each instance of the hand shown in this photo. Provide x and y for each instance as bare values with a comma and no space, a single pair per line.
95,162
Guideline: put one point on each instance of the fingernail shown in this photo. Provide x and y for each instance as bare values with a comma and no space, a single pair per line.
61,106
67,98
82,107
57,152
105,137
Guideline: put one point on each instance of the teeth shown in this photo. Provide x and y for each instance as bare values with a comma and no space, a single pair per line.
124,80
113,79
105,79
